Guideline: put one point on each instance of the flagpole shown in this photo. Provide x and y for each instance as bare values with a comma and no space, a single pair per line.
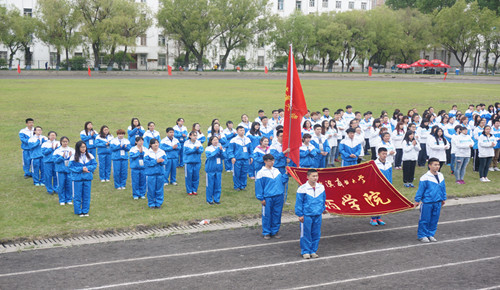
291,96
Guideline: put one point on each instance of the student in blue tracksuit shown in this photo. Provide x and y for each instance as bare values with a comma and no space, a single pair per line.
171,146
88,135
154,160
217,131
254,135
229,134
350,149
280,159
82,165
238,152
180,133
24,135
267,129
431,196
102,142
245,123
213,168
137,169
309,205
35,145
48,148
307,152
120,146
134,130
323,147
192,158
269,190
61,160
386,168
197,128
150,134
259,152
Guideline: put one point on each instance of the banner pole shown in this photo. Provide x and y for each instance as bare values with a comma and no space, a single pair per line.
291,97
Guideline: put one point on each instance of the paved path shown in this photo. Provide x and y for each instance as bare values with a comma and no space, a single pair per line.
354,255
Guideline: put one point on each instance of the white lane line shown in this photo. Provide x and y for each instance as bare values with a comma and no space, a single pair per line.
490,288
292,262
401,272
228,249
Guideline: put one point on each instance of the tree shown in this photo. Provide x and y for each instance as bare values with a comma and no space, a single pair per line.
58,22
401,4
240,22
494,43
191,22
428,6
416,35
488,35
10,20
456,28
330,39
493,5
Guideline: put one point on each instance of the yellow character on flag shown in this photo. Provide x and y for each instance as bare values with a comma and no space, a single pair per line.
374,199
351,201
329,204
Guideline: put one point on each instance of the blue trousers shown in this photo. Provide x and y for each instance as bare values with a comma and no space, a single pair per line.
310,234
214,186
81,196
92,151
349,162
50,180
181,159
240,170
37,170
26,162
460,167
271,214
138,182
155,190
171,171
429,217
104,166
192,177
452,162
120,172
64,187
228,165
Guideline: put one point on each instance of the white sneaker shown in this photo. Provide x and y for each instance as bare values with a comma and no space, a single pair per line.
482,179
70,202
432,239
174,183
496,169
103,180
123,187
165,184
107,180
486,179
424,240
62,203
491,169
136,198
86,214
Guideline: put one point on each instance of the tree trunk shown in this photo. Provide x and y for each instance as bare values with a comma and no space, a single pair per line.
495,63
304,60
67,58
487,60
120,62
95,49
323,64
330,65
11,58
58,60
27,57
224,59
186,60
112,59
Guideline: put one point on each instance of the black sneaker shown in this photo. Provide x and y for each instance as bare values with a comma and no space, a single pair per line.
277,236
267,237
210,203
217,202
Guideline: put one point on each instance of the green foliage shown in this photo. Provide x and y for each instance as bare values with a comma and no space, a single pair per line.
76,63
281,61
415,35
240,61
3,63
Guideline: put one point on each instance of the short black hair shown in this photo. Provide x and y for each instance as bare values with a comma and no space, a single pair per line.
432,160
381,149
279,132
261,111
169,129
29,119
350,130
348,107
326,109
274,111
239,127
312,170
268,157
316,126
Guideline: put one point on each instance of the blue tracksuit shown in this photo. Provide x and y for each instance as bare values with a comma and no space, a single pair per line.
24,135
119,155
213,169
61,160
347,147
178,132
308,156
104,152
386,169
257,156
138,172
132,133
35,145
167,145
82,182
269,187
192,158
228,136
431,193
280,160
89,140
255,141
154,176
321,143
49,169
240,149
310,204
148,135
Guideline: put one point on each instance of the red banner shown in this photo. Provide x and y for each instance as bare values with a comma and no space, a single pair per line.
358,190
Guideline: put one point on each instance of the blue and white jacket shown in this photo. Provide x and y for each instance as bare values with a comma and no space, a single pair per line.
167,145
137,158
462,143
200,137
496,132
349,146
310,201
229,135
61,158
485,146
280,160
120,149
100,143
76,168
255,140
148,135
269,183
258,154
132,133
191,154
267,132
178,131
308,155
88,138
35,146
429,189
150,161
214,155
239,148
48,151
24,135
246,126
385,168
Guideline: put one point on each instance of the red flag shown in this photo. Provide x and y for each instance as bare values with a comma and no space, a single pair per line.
88,70
265,69
169,70
295,109
445,75
18,68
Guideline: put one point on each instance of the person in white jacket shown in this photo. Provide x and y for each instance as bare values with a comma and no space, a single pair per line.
374,137
486,142
332,135
411,147
438,146
386,143
462,144
397,139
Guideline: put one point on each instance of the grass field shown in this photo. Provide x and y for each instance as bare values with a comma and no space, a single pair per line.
64,106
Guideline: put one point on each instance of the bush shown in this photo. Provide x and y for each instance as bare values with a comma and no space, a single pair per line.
240,61
3,63
281,61
76,63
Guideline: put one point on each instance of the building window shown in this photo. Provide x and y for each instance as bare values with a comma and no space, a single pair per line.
3,55
298,5
338,4
143,59
53,59
351,5
363,5
28,12
325,3
161,40
162,59
260,60
78,54
143,40
311,3
143,1
280,5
